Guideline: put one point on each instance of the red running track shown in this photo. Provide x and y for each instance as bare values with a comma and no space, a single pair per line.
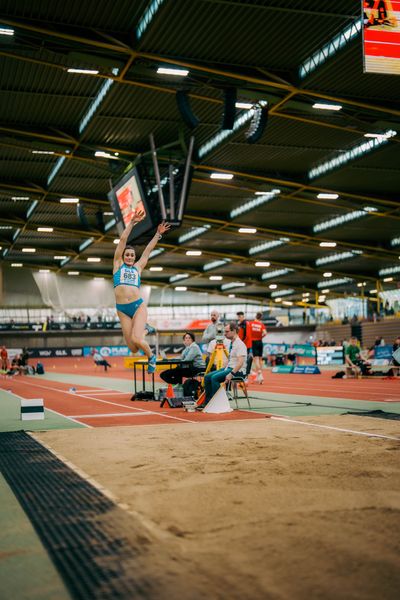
377,389
100,407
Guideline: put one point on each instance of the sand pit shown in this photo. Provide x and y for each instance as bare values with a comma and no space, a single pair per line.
255,509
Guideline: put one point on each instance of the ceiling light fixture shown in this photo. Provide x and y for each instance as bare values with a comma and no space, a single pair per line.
262,263
73,272
340,220
328,244
59,257
333,282
69,200
29,250
147,17
156,269
173,71
344,157
247,230
331,48
42,152
6,30
244,105
20,198
389,270
193,253
193,233
276,273
268,245
16,264
272,286
326,196
264,198
215,277
55,169
101,154
178,277
214,264
45,229
223,134
327,274
375,135
180,288
325,106
388,279
86,244
93,259
155,252
337,257
232,284
227,176
279,293
97,100
83,71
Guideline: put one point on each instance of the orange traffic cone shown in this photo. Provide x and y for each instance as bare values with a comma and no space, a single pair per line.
170,391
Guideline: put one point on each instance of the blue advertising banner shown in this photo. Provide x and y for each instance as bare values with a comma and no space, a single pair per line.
306,370
107,350
383,352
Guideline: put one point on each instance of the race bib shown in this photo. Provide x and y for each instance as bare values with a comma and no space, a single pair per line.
129,277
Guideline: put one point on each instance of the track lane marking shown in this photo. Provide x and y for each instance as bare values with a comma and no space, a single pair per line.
342,430
133,408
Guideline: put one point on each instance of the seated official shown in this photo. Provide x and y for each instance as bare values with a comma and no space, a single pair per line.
99,360
236,364
192,353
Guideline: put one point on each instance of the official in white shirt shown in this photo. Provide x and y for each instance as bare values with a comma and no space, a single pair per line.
236,364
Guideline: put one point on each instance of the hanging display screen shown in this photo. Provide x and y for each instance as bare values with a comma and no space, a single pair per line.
381,36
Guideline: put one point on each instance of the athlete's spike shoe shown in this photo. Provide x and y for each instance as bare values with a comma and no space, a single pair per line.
152,364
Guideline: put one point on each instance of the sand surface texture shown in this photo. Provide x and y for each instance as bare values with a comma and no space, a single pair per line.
254,509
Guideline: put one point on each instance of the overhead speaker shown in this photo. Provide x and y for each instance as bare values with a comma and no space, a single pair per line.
257,124
100,220
115,166
80,211
229,115
188,116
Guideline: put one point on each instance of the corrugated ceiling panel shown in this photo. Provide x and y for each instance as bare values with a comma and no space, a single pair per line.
237,34
120,15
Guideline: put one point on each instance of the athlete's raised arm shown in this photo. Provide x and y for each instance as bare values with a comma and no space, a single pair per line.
119,251
161,229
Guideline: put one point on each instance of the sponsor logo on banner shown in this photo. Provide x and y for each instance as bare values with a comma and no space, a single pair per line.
61,353
306,370
107,351
76,351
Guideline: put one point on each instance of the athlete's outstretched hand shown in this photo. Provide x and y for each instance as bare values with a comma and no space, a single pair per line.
163,227
138,215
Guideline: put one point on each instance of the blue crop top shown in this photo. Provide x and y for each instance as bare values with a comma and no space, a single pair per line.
126,276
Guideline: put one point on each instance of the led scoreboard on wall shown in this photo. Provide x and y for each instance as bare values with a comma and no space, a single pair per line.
381,36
